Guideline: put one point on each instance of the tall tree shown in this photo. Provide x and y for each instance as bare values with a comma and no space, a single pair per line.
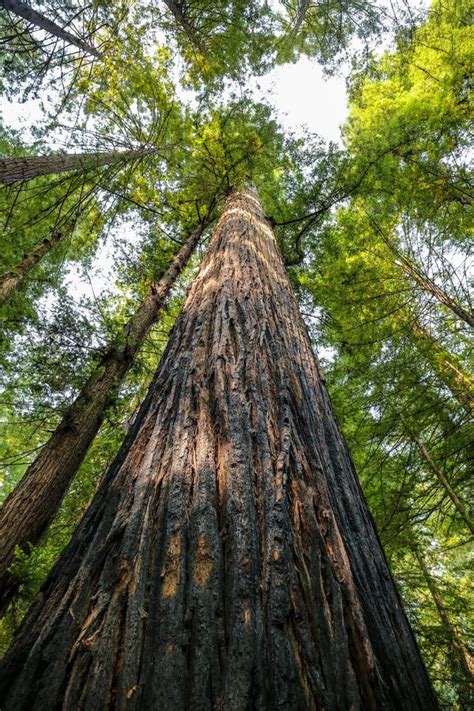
445,365
460,649
36,18
228,558
435,470
34,503
11,280
15,169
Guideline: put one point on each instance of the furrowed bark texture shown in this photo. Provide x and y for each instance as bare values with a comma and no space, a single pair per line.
228,560
13,170
11,281
36,18
33,504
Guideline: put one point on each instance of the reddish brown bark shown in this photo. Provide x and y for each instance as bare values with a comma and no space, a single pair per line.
33,504
13,170
228,560
23,10
11,281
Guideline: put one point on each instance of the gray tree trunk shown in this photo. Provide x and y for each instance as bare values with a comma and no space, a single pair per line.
13,170
36,18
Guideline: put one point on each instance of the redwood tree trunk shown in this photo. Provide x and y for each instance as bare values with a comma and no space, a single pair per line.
33,504
36,18
10,281
228,559
13,170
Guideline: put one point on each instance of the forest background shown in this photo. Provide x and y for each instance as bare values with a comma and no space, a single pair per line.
168,102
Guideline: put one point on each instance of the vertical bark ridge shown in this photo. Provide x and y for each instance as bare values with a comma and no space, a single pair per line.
228,560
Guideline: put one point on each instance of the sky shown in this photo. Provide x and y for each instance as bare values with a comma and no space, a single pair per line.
303,96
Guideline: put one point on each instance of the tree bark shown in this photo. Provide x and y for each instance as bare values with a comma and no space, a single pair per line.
228,559
26,168
36,18
302,11
465,660
11,281
33,504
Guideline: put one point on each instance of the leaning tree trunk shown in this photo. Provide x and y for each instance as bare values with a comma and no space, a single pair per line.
430,287
228,559
36,18
33,504
445,365
13,170
177,9
413,271
460,650
11,281
435,470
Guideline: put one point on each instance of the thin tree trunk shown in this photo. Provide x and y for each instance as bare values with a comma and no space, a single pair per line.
428,285
33,504
36,18
176,9
423,280
228,559
13,170
461,651
302,11
445,365
439,475
11,281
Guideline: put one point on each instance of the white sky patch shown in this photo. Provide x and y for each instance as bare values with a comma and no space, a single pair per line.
304,98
